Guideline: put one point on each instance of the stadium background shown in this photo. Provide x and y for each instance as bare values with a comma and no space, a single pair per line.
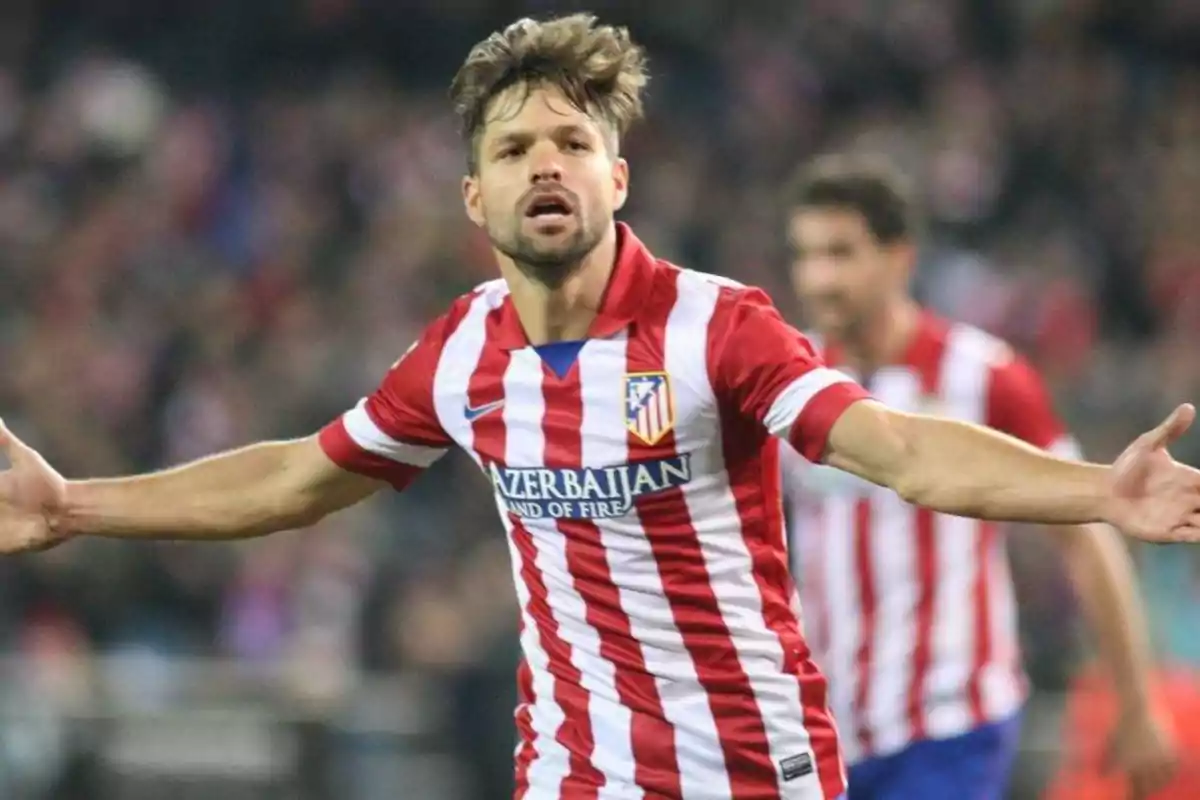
222,221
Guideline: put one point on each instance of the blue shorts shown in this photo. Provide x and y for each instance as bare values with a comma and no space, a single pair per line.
974,766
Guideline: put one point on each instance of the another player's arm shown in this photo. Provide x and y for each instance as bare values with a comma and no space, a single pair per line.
1097,560
1102,573
252,491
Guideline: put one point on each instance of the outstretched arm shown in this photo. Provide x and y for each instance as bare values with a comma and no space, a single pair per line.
971,471
388,438
248,492
964,469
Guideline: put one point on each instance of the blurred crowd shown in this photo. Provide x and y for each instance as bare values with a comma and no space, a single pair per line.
222,221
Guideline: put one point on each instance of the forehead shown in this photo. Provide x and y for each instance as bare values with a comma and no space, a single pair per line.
824,223
522,109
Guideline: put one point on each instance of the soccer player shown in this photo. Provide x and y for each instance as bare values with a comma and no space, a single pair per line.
622,408
910,611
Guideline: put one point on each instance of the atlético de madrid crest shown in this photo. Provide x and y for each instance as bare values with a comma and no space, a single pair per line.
649,405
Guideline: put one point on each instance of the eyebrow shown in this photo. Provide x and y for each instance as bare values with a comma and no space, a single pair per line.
565,129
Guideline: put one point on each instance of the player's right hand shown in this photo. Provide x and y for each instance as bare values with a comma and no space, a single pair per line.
1144,750
31,492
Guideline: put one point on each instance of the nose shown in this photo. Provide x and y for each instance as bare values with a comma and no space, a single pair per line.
545,166
815,274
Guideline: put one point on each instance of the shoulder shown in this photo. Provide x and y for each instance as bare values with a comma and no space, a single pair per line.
975,345
478,302
490,292
1017,400
1010,378
707,281
485,297
729,299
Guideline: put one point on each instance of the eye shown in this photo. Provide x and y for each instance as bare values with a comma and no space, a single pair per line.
578,146
510,152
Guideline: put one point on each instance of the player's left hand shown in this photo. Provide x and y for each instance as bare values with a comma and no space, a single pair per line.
1153,496
1143,750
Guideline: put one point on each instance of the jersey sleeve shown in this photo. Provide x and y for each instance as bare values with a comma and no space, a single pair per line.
1019,404
766,370
394,434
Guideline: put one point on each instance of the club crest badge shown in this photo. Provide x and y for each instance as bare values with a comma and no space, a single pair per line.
649,406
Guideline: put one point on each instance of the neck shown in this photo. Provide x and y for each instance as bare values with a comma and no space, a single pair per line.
566,312
884,340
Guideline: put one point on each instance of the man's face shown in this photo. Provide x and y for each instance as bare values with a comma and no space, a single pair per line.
843,276
547,183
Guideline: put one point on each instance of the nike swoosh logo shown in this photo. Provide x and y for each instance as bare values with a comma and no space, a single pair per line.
475,413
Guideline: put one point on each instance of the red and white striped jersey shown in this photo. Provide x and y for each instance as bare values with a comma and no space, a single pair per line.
909,612
662,649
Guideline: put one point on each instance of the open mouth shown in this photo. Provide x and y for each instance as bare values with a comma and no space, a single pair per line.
548,208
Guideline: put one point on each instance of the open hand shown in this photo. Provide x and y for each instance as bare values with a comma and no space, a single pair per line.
1152,496
31,491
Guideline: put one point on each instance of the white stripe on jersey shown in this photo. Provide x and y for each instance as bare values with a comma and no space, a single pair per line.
845,624
367,435
1067,447
715,518
457,363
792,401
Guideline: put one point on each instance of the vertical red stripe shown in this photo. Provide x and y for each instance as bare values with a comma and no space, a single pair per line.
865,570
688,588
926,565
653,742
926,355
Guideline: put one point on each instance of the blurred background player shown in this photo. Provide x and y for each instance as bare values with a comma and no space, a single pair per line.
911,612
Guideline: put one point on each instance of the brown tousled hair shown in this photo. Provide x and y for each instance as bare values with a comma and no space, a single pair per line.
869,185
599,69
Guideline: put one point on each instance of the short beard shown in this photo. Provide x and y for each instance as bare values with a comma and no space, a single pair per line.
553,268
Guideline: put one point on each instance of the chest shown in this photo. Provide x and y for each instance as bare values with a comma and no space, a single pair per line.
626,420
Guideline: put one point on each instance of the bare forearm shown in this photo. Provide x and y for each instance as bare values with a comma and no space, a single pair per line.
968,470
1103,574
232,495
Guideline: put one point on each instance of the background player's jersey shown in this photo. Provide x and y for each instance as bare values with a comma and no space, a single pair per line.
910,612
662,647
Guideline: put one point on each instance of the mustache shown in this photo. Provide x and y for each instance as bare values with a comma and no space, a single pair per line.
537,193
826,300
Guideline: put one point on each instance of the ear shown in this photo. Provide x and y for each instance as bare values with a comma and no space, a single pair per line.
620,176
473,199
